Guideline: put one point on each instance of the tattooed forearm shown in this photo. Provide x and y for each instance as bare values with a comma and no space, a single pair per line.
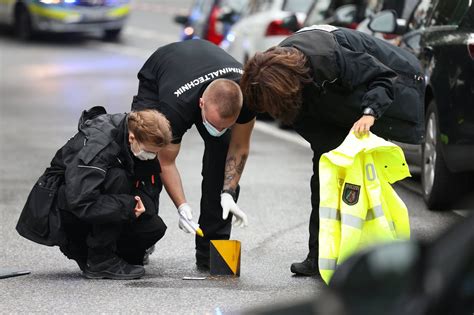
240,167
233,171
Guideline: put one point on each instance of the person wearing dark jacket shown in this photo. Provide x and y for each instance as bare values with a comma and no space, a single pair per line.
108,192
196,83
325,81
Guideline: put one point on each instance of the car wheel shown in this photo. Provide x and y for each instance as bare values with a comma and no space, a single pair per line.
23,27
436,179
112,35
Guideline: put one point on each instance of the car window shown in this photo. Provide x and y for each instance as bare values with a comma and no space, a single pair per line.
408,8
449,12
235,5
421,14
204,6
318,12
297,5
256,6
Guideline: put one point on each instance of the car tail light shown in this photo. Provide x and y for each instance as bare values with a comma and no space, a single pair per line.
470,47
352,25
389,36
216,28
276,28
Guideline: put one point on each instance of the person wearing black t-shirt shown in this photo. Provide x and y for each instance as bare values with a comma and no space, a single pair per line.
196,83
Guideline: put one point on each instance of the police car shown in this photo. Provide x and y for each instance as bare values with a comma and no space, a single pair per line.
28,17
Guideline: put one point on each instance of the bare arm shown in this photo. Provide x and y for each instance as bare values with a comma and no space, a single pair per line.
170,174
239,148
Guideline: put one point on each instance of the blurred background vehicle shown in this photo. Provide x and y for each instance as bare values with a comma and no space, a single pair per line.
263,25
403,9
210,19
344,13
28,17
441,34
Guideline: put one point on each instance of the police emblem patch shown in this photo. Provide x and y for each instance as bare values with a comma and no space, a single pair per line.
350,194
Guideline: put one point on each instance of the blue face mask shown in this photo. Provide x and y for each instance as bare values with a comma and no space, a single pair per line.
212,130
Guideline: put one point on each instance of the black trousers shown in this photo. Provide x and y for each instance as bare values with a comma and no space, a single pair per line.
213,167
128,240
323,137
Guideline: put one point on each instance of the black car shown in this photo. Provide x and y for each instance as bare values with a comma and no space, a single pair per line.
441,34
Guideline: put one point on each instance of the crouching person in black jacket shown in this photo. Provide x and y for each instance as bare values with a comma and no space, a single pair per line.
105,182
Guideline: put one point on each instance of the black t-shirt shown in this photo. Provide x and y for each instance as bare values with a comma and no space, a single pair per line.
174,77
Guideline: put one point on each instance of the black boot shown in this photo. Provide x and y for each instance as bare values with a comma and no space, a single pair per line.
308,267
113,268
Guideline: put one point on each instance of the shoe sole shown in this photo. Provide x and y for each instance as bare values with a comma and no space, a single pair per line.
307,274
108,275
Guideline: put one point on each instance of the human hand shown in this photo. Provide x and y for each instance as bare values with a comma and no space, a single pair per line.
139,208
185,218
362,126
228,205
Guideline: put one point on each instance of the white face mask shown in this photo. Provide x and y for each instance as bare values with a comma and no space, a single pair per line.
212,130
144,155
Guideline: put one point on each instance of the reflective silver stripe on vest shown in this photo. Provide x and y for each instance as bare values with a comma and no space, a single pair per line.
335,214
327,264
329,213
374,213
392,225
352,221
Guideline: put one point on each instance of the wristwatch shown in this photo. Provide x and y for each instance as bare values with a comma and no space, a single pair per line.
369,111
231,192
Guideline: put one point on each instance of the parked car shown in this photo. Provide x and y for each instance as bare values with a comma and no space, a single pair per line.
345,13
403,9
441,34
210,19
28,17
262,26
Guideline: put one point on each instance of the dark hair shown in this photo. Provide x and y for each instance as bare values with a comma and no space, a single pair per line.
226,95
273,82
150,126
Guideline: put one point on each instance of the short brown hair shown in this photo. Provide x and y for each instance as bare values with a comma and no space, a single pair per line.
226,95
150,126
273,82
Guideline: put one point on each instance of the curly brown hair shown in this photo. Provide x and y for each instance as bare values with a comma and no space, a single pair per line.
273,82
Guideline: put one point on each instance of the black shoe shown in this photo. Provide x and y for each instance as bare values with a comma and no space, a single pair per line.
114,268
148,252
202,265
82,265
309,267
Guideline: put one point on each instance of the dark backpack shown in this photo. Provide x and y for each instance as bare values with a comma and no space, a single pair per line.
40,220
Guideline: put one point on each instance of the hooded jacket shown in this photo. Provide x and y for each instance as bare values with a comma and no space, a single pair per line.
74,180
351,71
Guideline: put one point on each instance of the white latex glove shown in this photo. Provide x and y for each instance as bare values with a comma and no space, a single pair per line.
228,205
185,217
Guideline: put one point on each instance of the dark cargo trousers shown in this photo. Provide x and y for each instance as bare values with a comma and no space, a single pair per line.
213,168
128,240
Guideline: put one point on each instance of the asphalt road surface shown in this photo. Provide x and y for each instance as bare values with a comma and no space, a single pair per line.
44,86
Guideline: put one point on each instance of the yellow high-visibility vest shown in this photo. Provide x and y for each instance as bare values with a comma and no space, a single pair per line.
358,206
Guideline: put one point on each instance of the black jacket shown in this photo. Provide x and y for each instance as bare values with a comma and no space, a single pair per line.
74,181
352,70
